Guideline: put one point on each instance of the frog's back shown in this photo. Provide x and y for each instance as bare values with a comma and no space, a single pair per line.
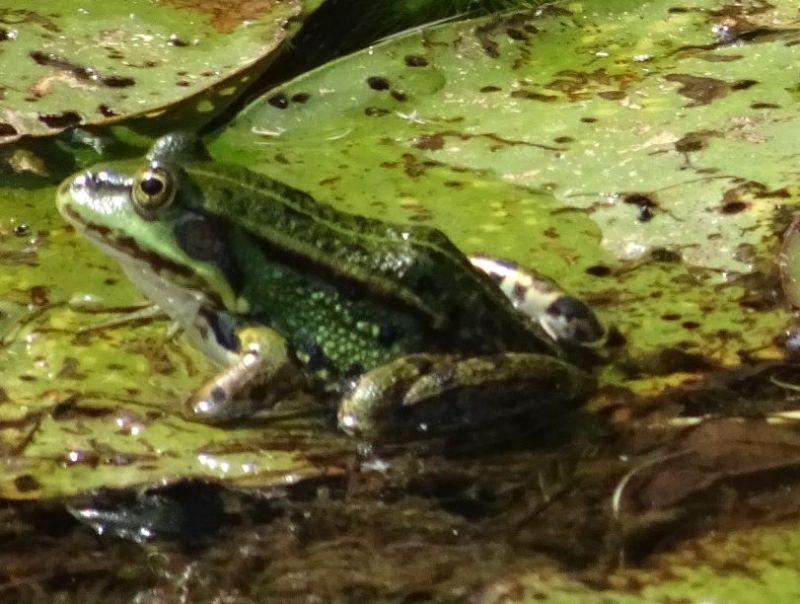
412,270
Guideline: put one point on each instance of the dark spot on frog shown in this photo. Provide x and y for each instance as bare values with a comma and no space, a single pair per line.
644,206
416,61
598,270
183,83
673,316
764,106
3,395
174,40
106,111
6,35
378,83
661,254
375,111
734,207
432,142
677,9
690,325
79,71
278,100
26,483
280,158
491,89
21,230
454,184
533,96
563,139
60,120
7,129
300,97
588,120
612,95
399,95
702,90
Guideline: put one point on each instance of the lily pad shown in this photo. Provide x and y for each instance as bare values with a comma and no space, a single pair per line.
68,63
638,153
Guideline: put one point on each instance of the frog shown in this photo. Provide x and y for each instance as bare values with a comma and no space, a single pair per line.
389,325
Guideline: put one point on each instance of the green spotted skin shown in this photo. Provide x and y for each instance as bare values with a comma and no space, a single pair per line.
349,293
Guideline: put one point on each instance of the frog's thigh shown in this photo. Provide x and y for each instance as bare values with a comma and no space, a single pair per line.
440,391
258,375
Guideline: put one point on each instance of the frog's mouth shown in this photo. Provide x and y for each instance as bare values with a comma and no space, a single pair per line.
124,248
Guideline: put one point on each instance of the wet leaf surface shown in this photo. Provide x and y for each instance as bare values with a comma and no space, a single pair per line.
68,63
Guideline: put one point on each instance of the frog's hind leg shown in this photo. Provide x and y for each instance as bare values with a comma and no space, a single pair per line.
432,393
565,318
260,373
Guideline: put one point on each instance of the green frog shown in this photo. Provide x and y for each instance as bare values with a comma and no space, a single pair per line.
288,294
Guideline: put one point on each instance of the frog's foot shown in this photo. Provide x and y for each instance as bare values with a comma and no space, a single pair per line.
427,392
566,319
259,374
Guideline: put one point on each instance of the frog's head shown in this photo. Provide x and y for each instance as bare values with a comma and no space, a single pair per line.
149,216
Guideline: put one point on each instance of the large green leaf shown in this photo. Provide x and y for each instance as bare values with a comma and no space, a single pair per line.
69,62
642,158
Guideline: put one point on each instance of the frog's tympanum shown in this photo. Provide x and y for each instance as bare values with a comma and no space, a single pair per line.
288,294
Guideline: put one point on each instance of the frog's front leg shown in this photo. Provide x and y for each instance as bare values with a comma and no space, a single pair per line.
435,392
260,373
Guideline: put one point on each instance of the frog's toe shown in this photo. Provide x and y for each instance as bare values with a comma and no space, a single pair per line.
570,321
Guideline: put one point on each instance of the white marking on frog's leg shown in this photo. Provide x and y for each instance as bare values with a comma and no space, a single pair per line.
257,376
564,318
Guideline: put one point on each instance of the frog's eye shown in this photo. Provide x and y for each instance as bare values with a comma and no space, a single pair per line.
153,189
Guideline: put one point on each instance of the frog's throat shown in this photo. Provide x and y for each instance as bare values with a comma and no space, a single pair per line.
160,279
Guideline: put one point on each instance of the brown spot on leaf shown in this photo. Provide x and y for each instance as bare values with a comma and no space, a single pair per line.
598,270
490,89
432,142
416,61
227,15
702,90
300,97
106,111
734,207
378,83
399,95
612,95
81,72
764,106
533,96
71,370
60,120
26,483
278,100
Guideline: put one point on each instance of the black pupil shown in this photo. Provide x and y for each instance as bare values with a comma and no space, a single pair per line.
151,185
